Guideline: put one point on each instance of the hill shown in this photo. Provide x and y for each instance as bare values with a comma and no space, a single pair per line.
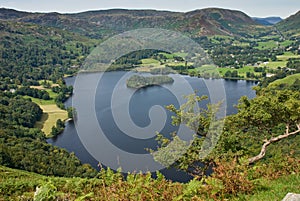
268,21
104,23
290,26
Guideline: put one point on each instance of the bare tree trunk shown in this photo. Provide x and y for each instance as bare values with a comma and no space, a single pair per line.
273,139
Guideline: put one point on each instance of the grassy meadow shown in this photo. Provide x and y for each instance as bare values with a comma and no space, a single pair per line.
51,113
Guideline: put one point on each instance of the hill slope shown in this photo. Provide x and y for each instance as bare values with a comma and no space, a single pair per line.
290,26
100,24
32,52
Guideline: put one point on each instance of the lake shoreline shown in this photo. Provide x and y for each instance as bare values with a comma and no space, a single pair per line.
70,140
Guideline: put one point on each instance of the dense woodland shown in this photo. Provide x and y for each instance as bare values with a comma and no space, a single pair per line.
257,153
25,147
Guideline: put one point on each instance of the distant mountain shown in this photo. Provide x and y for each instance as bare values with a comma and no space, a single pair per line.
104,23
290,26
268,21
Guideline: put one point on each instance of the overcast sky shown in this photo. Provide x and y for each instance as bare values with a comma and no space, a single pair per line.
254,8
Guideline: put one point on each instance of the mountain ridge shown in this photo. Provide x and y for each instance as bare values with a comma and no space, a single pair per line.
103,23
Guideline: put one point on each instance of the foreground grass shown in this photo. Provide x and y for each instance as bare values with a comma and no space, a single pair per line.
21,185
275,190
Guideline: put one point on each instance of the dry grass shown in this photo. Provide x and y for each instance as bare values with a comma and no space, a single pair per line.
38,87
51,114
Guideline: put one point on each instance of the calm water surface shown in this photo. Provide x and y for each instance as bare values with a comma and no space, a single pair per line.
139,106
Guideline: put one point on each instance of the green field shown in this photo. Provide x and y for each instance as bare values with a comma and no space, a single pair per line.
51,113
211,69
241,71
180,54
274,64
150,62
147,64
271,44
44,102
289,80
168,56
286,56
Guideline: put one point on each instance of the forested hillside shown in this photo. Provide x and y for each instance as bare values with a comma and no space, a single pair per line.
30,53
25,147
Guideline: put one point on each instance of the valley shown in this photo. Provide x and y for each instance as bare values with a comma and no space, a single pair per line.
40,51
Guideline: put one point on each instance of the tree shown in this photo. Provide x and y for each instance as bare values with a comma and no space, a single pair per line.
234,73
228,73
269,114
71,112
56,130
199,120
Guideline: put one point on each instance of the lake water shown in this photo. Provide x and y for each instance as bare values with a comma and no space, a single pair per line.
139,109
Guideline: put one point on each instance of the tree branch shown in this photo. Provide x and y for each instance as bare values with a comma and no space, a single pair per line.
273,139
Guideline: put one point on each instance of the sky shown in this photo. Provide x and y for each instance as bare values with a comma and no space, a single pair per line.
254,8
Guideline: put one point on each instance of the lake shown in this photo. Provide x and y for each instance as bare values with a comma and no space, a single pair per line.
129,118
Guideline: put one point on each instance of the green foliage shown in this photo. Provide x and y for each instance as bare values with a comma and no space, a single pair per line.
231,74
290,26
35,93
270,110
191,190
37,156
46,192
261,118
63,92
15,184
71,112
31,52
59,128
25,148
291,82
187,156
132,59
16,110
